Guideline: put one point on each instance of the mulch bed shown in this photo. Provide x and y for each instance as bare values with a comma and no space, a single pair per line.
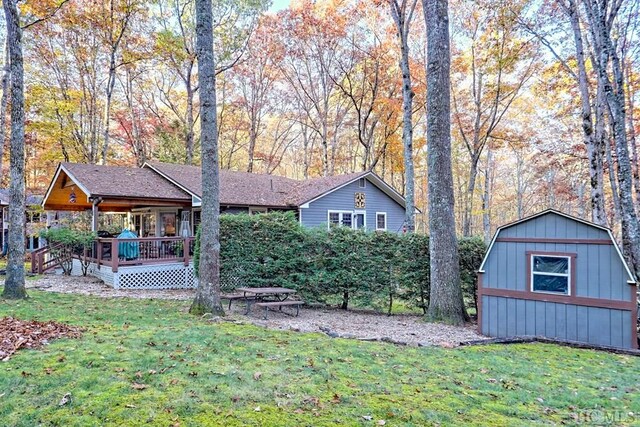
16,334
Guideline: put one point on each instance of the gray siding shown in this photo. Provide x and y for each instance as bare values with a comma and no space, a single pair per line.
343,200
599,271
551,226
507,317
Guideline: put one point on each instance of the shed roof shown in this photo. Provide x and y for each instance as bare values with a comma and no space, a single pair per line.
631,277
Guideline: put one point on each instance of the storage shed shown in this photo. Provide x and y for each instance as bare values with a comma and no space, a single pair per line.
560,277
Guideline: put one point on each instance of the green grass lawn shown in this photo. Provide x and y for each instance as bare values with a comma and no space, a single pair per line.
148,362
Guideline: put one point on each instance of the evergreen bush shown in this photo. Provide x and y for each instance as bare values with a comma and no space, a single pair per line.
337,266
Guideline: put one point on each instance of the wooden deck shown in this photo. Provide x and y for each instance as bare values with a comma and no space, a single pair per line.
115,253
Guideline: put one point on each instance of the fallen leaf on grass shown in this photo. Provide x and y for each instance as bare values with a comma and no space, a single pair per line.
65,399
257,376
257,409
138,386
336,398
367,417
381,422
130,406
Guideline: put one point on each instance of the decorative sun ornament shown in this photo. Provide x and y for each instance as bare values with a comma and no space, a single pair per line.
72,196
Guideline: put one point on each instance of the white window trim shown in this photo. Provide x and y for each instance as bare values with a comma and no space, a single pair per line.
385,221
329,212
540,273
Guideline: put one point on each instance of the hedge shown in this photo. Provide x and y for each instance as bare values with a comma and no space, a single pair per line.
338,266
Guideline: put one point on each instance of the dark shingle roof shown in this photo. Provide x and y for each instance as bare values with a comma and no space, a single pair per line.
243,188
30,199
124,181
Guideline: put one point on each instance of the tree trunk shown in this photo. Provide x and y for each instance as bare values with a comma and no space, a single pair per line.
632,135
446,302
594,145
402,18
14,283
600,23
207,298
6,73
471,189
253,137
486,197
111,81
189,140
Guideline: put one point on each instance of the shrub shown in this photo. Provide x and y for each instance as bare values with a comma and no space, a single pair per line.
338,266
66,242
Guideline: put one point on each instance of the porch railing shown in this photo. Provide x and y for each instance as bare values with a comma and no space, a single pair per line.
142,251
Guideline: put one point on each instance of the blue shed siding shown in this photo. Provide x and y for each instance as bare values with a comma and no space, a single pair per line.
344,200
599,274
509,317
599,271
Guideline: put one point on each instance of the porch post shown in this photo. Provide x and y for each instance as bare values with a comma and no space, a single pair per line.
94,213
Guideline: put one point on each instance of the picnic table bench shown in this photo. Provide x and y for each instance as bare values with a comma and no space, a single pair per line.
269,297
280,304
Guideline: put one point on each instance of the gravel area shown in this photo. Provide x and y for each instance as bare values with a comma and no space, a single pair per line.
399,329
93,286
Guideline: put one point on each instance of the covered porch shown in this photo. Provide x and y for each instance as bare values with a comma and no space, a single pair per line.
157,251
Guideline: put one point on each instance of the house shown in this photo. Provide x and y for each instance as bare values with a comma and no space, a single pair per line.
162,204
34,221
156,196
560,277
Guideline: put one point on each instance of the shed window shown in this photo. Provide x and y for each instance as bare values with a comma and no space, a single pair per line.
362,183
551,274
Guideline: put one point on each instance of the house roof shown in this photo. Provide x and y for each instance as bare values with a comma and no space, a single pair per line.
121,181
631,277
181,183
244,188
30,199
236,188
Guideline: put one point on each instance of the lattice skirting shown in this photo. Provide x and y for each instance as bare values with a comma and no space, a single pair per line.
161,276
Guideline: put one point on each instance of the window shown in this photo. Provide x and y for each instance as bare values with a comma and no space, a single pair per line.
341,218
360,220
551,274
334,218
197,218
362,183
167,224
347,218
381,221
254,211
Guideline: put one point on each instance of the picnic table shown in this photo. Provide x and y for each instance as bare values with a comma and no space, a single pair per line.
269,297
